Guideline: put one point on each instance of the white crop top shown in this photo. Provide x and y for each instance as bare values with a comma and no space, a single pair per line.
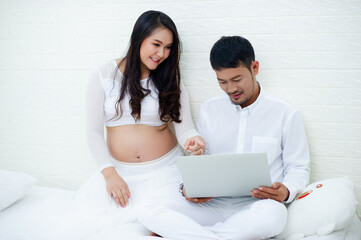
150,103
103,91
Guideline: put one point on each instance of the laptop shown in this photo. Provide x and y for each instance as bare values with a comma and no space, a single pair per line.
226,175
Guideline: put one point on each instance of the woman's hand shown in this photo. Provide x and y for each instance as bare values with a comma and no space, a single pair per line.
117,188
196,145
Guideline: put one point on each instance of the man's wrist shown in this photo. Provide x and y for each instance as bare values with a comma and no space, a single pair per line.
288,195
181,186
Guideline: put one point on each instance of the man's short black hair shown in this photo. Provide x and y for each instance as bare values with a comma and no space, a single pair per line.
231,52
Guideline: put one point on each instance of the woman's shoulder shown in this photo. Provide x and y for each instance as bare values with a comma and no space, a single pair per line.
108,75
108,70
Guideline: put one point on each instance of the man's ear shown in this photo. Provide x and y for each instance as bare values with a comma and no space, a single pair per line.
255,67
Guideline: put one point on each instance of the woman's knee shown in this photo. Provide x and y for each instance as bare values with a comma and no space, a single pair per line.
153,209
148,213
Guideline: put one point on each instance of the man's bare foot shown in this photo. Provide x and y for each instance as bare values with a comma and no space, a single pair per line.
154,235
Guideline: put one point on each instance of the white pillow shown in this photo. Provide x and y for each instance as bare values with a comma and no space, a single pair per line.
323,207
13,186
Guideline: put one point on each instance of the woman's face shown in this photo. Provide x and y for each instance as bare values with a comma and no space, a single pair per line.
155,49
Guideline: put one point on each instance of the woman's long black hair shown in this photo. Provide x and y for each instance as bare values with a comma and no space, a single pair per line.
166,77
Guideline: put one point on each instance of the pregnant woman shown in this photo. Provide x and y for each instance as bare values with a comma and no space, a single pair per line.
136,98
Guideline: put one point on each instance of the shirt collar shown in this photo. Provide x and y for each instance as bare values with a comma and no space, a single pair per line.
252,108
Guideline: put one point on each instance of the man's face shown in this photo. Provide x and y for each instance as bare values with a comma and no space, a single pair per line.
239,83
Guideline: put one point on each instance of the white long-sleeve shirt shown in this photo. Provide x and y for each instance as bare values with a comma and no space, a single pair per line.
268,125
103,91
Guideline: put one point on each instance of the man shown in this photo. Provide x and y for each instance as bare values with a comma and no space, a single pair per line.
247,119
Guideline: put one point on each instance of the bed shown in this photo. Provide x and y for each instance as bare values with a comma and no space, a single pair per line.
24,219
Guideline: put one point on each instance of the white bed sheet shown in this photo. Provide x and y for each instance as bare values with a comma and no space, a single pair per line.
24,220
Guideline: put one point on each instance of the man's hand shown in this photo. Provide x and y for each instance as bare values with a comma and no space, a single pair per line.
278,192
195,144
117,188
195,200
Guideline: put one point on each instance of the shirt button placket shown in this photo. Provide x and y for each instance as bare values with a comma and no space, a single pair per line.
242,130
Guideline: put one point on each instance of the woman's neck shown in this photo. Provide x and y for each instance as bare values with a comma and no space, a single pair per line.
144,71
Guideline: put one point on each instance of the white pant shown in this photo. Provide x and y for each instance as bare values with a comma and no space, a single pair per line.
222,218
94,215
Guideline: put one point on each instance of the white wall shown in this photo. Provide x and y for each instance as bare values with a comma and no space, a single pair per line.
309,53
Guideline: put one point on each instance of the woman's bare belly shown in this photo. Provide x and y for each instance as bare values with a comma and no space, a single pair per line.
139,143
